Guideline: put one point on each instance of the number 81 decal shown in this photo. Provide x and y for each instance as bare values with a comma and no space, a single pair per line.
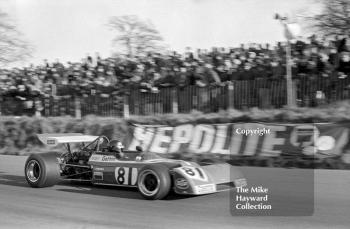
125,175
195,173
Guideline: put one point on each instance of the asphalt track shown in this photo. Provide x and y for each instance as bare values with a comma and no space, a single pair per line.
85,206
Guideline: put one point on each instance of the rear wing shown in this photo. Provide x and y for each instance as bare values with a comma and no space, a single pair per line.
55,139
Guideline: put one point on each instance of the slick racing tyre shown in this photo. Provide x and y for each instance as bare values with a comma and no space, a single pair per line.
154,182
42,170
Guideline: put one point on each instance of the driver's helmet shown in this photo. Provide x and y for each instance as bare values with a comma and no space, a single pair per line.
116,145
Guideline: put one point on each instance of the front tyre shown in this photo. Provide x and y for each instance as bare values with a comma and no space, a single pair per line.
42,170
154,182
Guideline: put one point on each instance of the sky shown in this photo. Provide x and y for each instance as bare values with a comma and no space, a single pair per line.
68,30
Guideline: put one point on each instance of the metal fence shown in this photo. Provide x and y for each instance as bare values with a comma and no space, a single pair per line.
237,95
314,92
264,94
63,105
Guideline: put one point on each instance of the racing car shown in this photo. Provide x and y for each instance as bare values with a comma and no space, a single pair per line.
94,160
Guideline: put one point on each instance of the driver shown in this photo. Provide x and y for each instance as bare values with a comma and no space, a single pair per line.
116,147
102,144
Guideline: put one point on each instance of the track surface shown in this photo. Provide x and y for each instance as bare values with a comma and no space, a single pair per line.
85,206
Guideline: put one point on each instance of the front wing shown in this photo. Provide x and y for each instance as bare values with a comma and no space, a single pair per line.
207,179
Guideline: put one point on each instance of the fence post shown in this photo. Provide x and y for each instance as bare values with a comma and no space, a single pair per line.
230,100
77,106
126,107
1,102
294,92
175,104
116,107
53,89
55,106
47,106
38,107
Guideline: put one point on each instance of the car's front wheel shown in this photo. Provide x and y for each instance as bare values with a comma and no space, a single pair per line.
154,182
42,170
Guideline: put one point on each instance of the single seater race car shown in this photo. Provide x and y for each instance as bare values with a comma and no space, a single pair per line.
96,161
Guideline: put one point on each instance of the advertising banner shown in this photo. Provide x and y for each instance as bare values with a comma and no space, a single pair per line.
242,139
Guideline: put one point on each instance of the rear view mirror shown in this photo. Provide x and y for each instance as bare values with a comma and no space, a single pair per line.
139,148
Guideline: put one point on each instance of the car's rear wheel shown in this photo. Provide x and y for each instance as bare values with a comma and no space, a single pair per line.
42,170
154,182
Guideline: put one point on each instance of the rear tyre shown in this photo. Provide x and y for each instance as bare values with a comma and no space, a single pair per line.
42,170
154,182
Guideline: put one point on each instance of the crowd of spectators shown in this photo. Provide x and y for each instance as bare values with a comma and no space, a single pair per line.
312,58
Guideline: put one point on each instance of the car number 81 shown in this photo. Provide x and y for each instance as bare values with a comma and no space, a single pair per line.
195,173
125,175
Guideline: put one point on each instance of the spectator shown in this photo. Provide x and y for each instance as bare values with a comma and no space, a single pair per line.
313,58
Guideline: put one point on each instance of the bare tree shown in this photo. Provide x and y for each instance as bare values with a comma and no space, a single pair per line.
12,47
136,35
334,18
